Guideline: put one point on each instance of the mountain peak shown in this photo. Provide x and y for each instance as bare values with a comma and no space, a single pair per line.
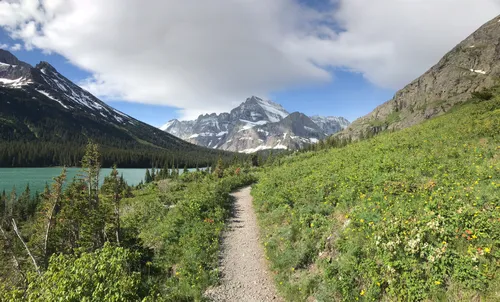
256,124
169,124
44,66
7,57
253,98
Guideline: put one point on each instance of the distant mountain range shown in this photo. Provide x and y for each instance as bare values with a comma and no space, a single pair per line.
255,125
45,119
471,66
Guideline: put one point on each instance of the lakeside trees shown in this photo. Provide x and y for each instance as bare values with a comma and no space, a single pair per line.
79,240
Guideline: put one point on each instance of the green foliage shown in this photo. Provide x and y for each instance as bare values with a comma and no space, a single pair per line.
410,215
219,169
148,178
108,274
181,220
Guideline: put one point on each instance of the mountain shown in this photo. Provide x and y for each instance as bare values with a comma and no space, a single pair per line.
254,125
330,124
45,119
469,67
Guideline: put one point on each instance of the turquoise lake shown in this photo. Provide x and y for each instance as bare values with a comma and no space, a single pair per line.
37,177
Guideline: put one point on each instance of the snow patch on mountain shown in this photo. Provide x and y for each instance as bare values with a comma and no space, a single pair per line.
255,125
274,112
16,83
52,98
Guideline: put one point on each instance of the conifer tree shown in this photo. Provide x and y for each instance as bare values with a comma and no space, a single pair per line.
219,169
91,166
148,178
11,202
3,204
113,188
50,209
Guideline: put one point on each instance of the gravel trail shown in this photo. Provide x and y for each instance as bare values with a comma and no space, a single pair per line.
245,276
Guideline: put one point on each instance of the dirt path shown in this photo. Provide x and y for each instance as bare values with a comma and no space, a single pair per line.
245,276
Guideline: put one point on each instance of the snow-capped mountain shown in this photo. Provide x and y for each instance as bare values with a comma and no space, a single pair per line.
255,125
40,106
45,82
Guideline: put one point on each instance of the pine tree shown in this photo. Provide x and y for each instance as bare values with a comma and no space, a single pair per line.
11,202
50,208
173,172
113,188
148,178
91,166
3,205
219,169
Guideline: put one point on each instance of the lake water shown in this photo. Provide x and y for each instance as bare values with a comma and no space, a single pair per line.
37,177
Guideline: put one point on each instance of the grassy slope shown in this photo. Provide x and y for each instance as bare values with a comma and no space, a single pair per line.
411,215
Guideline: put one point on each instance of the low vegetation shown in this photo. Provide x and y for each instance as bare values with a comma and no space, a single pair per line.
411,215
86,242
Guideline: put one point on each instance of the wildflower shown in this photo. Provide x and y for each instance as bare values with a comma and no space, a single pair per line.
487,250
361,220
437,282
362,293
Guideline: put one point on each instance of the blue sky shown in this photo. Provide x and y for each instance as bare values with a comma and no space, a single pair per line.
168,60
348,94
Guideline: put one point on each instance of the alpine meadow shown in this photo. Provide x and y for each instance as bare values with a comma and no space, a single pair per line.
219,194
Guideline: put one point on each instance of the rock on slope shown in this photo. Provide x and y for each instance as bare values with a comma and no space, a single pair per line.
255,125
471,66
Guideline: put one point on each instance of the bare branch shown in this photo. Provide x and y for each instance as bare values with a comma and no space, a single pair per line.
25,246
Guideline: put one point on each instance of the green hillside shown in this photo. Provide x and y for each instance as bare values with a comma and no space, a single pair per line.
410,215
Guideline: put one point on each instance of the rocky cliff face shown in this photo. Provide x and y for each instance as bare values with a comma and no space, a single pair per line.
471,66
255,125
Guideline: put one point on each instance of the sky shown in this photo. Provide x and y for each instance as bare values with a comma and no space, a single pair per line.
161,59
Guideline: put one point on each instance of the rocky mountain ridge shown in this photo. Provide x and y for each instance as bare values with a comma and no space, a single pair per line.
255,125
39,106
469,67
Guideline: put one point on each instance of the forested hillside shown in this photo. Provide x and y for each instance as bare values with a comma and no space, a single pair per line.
46,120
411,215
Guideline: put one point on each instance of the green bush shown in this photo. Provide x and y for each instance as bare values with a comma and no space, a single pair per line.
181,221
103,275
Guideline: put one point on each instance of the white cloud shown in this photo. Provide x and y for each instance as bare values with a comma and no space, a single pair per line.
4,46
16,47
203,55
